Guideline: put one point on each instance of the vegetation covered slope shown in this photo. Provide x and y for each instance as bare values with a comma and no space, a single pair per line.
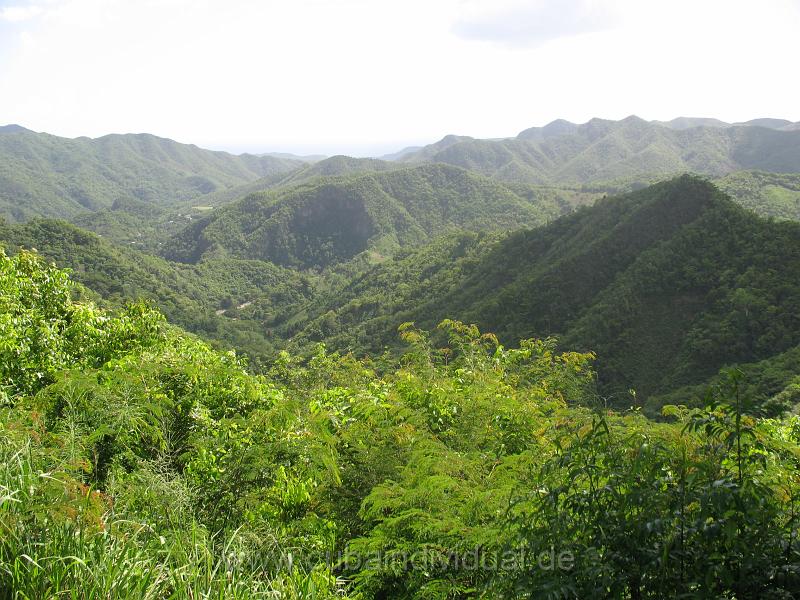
767,194
602,150
589,278
667,285
332,220
135,462
136,223
202,298
45,175
327,167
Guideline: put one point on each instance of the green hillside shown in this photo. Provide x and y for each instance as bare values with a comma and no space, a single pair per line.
45,175
335,166
134,223
332,220
767,194
602,150
667,285
203,298
327,167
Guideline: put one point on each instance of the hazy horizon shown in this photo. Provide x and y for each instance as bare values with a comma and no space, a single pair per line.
367,78
378,149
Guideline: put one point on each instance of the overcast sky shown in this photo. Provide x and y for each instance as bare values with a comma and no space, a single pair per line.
370,76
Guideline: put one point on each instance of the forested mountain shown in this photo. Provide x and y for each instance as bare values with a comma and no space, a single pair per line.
558,362
666,285
689,122
335,166
331,220
342,215
780,124
602,150
142,225
147,226
400,153
46,175
429,152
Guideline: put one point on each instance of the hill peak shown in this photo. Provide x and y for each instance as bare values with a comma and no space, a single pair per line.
14,128
452,138
633,119
766,122
681,123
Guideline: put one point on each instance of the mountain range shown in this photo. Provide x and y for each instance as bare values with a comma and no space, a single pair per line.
612,151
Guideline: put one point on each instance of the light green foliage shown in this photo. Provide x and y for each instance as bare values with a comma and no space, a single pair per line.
768,194
189,295
42,332
126,454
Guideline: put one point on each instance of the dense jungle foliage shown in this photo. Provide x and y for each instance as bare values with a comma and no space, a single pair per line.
138,462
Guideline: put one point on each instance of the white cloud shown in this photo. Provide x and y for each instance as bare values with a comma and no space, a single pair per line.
364,76
531,22
18,14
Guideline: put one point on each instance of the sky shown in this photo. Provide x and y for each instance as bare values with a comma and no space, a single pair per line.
367,77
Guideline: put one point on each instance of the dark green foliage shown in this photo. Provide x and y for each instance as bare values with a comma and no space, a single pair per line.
667,285
772,385
704,503
136,461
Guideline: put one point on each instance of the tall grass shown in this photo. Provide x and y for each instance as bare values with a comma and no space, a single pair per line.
60,540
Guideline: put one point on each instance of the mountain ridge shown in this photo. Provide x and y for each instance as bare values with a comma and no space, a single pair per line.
603,150
327,220
51,176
